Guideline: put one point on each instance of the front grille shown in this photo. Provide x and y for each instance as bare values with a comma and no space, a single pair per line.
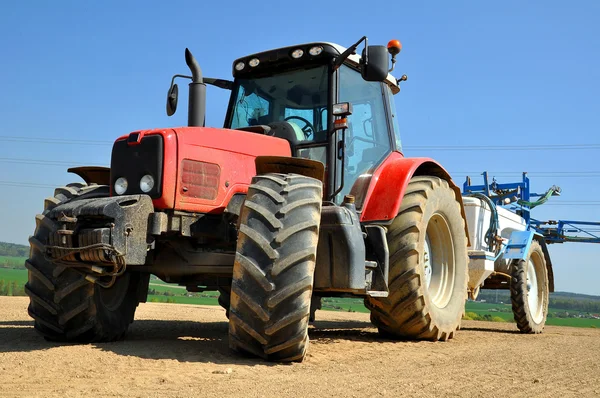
135,161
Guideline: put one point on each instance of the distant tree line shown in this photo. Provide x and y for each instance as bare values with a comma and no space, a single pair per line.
13,250
558,300
154,292
576,305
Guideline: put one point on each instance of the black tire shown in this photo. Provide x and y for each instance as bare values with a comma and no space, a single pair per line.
414,309
274,267
530,315
225,298
64,305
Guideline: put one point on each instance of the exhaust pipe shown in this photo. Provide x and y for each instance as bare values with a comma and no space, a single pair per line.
197,94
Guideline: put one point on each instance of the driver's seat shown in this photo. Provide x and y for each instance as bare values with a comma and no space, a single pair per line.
288,131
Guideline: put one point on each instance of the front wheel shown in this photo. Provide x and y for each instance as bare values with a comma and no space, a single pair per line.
225,298
64,305
428,265
529,290
274,267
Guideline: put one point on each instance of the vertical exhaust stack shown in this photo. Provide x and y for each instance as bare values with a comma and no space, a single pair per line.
197,97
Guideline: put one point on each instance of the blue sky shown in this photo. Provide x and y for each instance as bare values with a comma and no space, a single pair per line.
511,73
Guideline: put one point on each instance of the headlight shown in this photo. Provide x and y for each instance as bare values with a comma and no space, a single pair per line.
316,50
254,62
121,185
239,66
297,53
147,183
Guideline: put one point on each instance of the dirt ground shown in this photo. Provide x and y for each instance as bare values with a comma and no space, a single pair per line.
181,351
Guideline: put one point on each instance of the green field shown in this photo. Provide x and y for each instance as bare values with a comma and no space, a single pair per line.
153,298
343,304
9,275
504,311
12,262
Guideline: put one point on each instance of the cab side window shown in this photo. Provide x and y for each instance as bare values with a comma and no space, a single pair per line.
367,136
394,116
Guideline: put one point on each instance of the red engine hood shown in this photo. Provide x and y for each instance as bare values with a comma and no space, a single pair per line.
232,154
235,141
227,155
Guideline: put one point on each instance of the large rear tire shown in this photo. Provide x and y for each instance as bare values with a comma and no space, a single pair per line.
428,265
274,267
64,305
529,291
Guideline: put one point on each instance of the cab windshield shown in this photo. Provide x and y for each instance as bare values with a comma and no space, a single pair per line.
298,97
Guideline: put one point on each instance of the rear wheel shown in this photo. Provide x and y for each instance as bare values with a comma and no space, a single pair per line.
64,305
529,290
274,267
428,265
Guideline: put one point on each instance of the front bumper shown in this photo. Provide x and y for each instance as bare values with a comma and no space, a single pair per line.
101,229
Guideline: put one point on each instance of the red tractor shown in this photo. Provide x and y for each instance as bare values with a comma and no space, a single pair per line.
303,194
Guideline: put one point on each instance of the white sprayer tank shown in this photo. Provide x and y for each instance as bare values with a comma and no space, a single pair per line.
481,263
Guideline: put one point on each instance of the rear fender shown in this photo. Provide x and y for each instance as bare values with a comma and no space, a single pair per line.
542,242
389,182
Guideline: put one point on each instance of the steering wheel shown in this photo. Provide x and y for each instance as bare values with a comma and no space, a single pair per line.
308,128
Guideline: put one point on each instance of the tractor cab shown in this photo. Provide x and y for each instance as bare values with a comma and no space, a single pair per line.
294,92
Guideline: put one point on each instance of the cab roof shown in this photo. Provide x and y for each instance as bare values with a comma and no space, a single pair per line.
331,48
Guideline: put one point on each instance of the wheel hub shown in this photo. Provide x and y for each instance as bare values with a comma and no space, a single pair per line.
427,263
438,261
534,292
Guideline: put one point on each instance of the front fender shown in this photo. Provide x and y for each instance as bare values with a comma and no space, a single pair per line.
389,182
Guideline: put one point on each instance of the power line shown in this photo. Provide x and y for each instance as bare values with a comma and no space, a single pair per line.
454,173
578,204
547,147
462,173
531,175
61,141
45,162
529,172
27,184
21,184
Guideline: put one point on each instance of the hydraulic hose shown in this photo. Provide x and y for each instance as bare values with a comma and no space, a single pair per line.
542,200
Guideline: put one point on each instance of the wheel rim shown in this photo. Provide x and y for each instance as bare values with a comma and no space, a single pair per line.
438,261
112,297
534,290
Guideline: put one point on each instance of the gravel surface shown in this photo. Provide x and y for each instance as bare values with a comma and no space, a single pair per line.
175,350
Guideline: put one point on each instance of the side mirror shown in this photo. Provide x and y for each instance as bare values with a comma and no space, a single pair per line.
172,96
374,63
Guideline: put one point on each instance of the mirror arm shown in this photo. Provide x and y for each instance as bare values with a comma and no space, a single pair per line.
221,83
176,76
351,50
